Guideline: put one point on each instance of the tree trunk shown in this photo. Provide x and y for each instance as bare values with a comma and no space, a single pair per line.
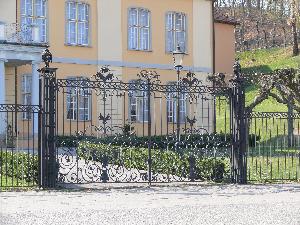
295,39
294,28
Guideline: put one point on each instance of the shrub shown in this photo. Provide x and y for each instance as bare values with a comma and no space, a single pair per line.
20,166
163,161
211,169
198,141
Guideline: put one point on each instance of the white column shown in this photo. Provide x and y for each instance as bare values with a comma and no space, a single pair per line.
2,96
35,93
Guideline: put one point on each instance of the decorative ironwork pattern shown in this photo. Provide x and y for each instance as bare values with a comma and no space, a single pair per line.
275,115
19,108
159,88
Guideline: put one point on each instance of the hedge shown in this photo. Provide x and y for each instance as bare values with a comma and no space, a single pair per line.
163,161
19,166
207,141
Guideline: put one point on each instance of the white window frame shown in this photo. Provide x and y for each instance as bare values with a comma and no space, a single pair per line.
26,28
175,32
73,93
138,100
135,31
26,94
81,37
172,106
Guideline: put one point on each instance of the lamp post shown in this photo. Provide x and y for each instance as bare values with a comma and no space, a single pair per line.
178,56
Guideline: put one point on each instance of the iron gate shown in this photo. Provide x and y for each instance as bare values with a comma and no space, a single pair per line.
111,131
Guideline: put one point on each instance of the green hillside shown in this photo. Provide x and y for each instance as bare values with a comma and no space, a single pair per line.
265,61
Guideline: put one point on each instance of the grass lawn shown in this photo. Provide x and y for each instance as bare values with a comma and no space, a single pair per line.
267,60
8,182
260,61
271,159
273,168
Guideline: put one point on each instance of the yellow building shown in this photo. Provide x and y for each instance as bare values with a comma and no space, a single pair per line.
127,35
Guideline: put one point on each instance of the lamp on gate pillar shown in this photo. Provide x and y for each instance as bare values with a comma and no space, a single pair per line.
178,56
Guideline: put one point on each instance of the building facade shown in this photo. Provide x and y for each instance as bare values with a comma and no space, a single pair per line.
224,43
84,35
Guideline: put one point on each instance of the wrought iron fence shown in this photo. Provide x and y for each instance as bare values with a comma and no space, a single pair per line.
111,131
19,145
274,147
102,129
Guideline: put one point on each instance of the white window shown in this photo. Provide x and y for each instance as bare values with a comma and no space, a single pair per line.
26,94
176,31
77,23
79,101
172,105
138,102
34,12
139,29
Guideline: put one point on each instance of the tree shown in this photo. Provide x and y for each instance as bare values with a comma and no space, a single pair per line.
293,22
263,23
284,86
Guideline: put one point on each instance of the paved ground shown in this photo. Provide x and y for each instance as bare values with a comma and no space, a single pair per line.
229,204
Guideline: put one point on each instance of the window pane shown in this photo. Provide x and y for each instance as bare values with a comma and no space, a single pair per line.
28,7
44,3
23,84
146,109
27,99
170,21
71,10
71,105
133,36
170,41
87,12
23,7
86,33
80,33
81,12
179,22
28,84
133,17
144,18
180,39
80,97
144,39
72,32
140,109
41,22
38,8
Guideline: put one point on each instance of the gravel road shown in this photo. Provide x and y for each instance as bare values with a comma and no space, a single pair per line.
202,204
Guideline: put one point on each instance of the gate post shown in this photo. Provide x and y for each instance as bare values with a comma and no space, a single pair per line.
238,128
48,167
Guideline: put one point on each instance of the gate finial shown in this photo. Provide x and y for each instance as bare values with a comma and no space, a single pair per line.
237,69
47,57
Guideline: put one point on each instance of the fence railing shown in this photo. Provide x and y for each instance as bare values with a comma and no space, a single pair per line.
274,146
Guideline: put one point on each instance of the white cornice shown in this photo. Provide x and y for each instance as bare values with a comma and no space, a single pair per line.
21,52
21,48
